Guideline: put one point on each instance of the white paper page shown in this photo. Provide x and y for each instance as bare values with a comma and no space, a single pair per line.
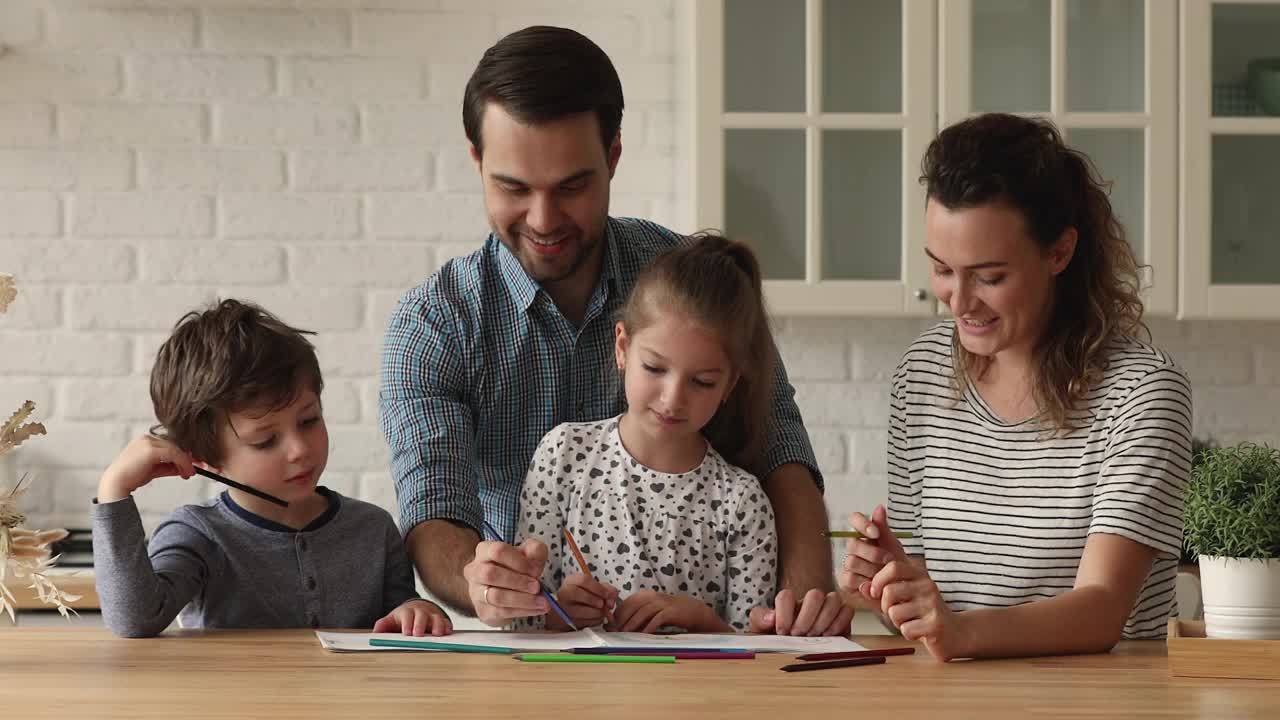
359,642
758,643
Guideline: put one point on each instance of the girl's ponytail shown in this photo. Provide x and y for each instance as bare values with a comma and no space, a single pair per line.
716,283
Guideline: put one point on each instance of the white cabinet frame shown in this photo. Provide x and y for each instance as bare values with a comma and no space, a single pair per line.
1200,298
814,296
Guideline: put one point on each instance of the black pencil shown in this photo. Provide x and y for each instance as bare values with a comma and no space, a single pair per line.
801,667
252,491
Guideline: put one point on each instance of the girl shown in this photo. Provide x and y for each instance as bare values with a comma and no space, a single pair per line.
657,498
1038,450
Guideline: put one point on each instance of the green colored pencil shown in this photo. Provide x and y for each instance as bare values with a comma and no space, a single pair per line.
567,658
450,647
856,534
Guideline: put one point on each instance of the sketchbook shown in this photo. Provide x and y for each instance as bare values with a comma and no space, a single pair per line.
590,637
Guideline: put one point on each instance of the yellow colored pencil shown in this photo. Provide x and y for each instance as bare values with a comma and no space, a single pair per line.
856,534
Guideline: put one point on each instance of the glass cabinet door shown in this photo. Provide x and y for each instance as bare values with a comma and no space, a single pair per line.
812,116
1231,176
1104,72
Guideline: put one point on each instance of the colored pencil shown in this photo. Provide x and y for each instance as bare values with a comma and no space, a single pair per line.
708,655
545,592
244,488
650,650
582,563
853,662
886,652
856,534
448,647
567,658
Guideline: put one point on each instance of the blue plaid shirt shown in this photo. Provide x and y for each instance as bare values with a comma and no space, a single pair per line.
479,364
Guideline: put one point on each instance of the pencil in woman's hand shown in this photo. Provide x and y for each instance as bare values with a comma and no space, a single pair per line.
858,535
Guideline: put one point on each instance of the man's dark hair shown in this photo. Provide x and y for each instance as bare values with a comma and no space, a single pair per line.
540,74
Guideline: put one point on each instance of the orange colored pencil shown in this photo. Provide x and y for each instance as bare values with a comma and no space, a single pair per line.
582,563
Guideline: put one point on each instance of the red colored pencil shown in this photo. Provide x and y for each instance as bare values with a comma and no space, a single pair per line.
800,667
886,652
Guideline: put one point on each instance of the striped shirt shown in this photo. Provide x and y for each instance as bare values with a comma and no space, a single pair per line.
1001,511
479,364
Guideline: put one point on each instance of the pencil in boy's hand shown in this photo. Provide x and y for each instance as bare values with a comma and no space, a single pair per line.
582,563
857,535
243,488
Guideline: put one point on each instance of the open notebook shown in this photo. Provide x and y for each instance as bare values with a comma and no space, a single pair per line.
353,642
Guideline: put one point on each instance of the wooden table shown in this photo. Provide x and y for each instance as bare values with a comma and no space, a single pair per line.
285,674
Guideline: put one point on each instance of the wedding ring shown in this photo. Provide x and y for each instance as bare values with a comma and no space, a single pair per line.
487,588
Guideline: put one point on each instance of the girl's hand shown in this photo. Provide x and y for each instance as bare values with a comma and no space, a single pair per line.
647,611
416,617
587,601
141,461
864,557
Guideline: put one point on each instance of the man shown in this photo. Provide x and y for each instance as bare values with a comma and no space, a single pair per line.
500,346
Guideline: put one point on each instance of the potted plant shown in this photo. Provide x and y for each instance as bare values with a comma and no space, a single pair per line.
1232,521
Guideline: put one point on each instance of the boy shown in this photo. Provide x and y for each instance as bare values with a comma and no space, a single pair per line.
237,392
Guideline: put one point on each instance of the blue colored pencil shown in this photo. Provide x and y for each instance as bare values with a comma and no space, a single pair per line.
546,593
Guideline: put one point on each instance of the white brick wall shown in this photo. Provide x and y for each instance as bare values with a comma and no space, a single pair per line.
310,156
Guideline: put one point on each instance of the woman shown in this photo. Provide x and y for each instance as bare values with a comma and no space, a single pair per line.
1038,448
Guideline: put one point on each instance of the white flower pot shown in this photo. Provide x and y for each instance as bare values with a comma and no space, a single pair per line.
1241,598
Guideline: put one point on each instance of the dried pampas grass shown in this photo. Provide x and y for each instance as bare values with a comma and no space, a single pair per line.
24,553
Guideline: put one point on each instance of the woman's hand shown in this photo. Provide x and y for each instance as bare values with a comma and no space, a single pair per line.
647,611
910,599
879,568
864,557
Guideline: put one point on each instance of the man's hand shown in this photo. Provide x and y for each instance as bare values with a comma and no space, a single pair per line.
502,581
818,613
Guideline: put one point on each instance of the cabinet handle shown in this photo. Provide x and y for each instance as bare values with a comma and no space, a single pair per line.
920,294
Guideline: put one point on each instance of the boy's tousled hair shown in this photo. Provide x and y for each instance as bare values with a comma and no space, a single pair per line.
715,283
540,74
230,357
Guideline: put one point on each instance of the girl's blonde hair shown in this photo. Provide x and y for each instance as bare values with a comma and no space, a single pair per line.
714,282
1023,163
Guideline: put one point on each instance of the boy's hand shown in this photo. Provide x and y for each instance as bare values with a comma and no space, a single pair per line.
647,611
416,617
141,461
587,601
